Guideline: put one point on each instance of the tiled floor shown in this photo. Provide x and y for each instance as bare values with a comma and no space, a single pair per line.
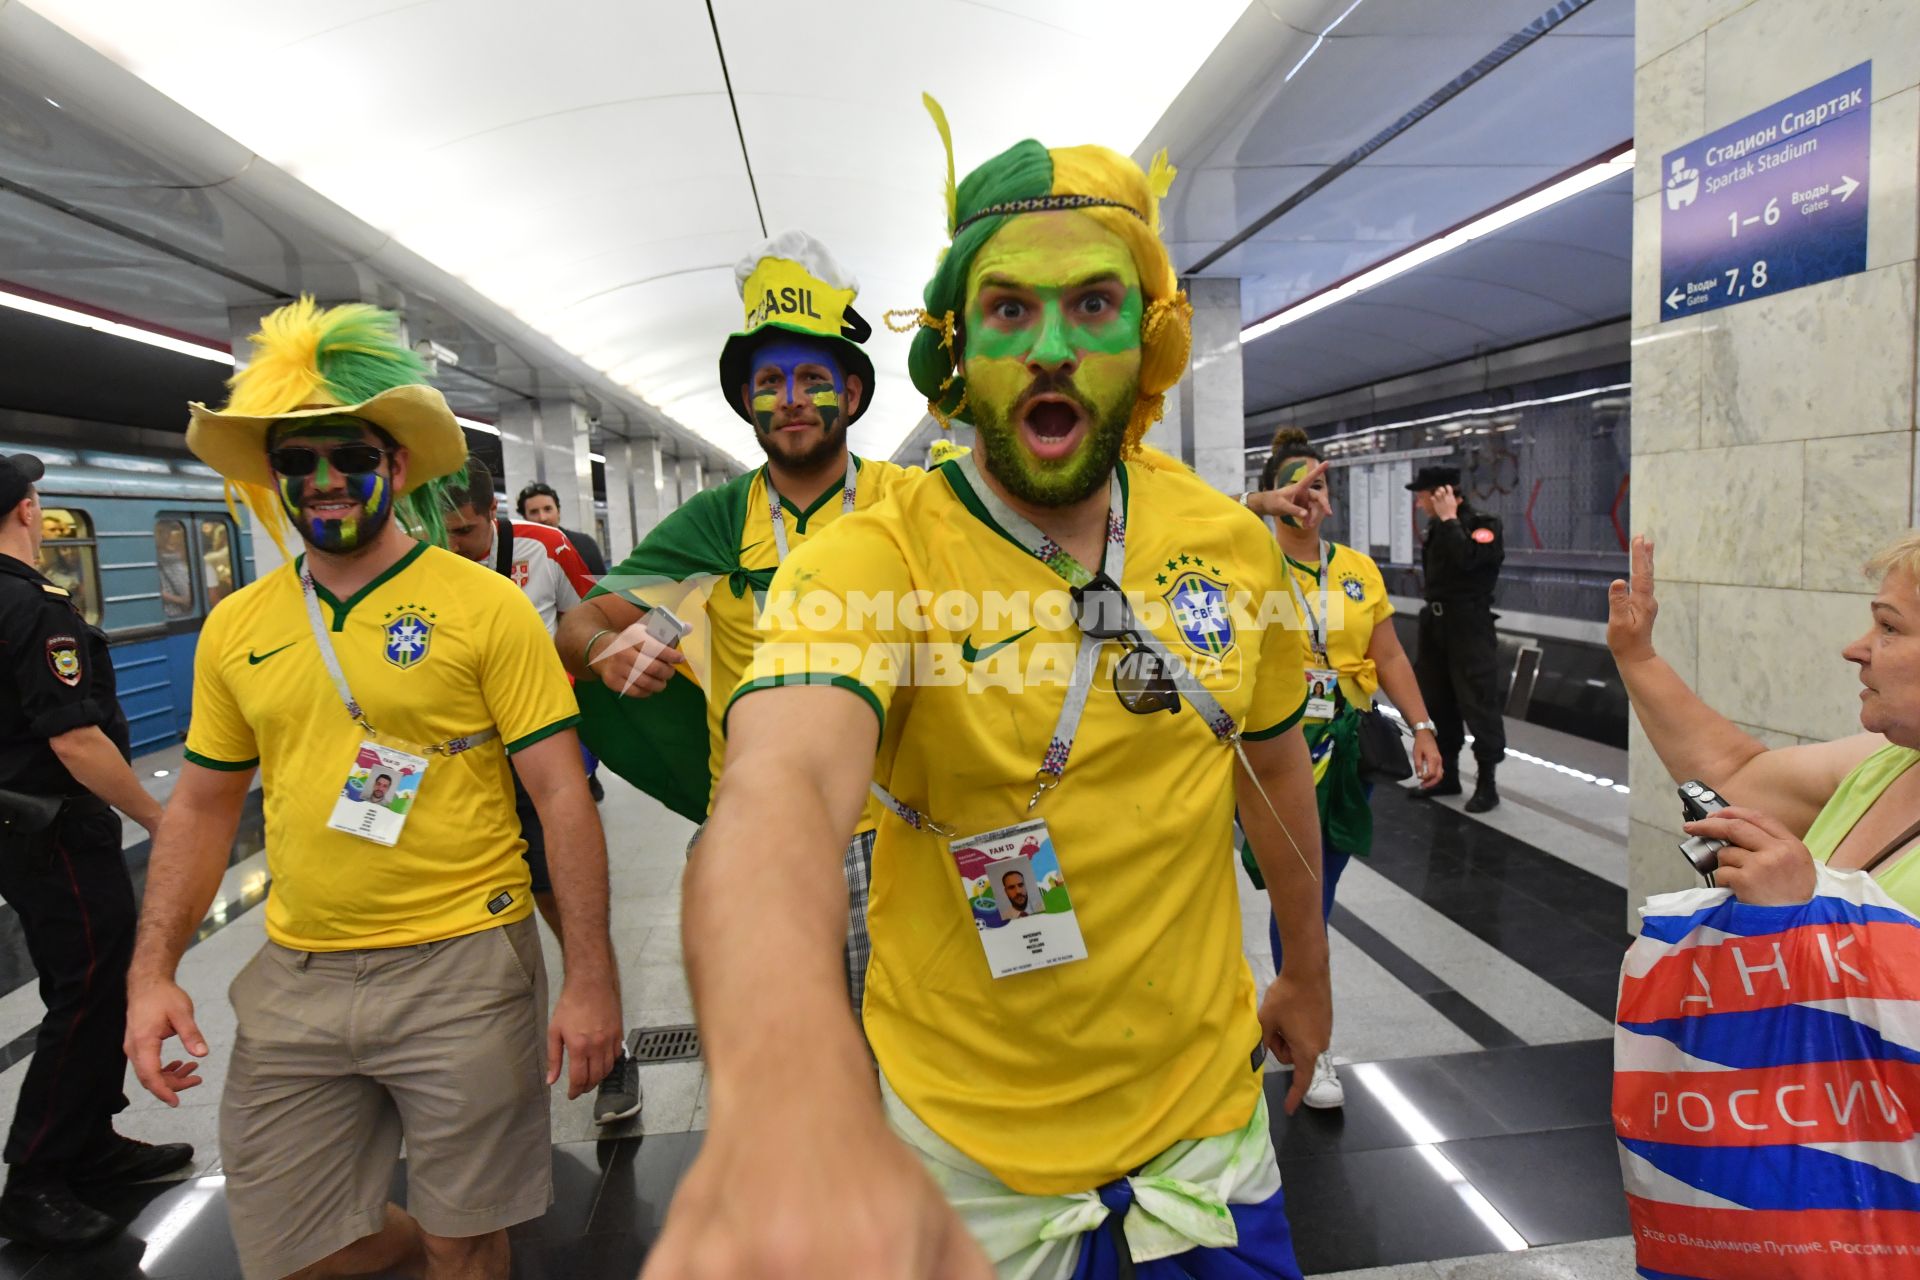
1474,962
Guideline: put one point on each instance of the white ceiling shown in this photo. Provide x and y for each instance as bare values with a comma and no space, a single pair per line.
577,161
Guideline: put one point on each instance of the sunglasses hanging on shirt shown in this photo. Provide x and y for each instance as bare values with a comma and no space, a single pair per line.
1143,682
348,459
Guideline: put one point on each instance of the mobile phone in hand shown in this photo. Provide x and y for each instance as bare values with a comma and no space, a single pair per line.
663,626
1697,801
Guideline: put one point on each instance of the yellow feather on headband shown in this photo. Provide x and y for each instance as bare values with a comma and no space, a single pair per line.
946,140
1159,181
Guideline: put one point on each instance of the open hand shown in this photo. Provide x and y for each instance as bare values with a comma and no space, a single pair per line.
1631,608
155,1012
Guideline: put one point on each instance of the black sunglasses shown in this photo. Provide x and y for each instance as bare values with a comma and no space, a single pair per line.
348,459
1143,682
1100,609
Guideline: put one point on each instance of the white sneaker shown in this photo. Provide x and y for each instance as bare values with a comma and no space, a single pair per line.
1325,1093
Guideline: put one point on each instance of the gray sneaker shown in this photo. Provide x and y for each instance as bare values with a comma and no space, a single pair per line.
620,1093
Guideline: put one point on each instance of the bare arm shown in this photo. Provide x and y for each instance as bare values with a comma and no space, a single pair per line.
1297,1014
1695,741
95,763
579,625
1402,688
183,873
823,1189
586,1019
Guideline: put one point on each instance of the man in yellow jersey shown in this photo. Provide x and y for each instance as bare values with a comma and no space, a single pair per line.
1093,664
400,994
796,373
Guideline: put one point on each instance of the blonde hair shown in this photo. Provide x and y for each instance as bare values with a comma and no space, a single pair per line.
1903,553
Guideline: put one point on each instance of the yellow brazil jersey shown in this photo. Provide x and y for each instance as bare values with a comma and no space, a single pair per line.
1061,1079
435,647
1356,604
721,609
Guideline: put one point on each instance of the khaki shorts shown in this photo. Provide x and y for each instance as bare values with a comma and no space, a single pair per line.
339,1055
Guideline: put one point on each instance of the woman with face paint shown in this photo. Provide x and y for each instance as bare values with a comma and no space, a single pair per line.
1353,653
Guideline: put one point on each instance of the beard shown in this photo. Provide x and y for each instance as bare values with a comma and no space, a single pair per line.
349,534
1060,482
805,458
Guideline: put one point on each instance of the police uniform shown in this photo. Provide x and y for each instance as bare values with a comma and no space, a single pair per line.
62,872
1458,665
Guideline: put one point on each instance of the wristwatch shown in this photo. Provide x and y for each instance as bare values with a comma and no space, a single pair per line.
1428,726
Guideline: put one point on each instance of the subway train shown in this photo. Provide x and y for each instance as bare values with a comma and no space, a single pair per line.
147,546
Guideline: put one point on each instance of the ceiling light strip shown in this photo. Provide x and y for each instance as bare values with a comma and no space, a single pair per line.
1505,50
100,324
1486,224
1320,40
484,427
1485,412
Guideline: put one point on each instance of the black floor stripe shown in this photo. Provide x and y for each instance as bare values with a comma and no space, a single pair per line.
1486,1030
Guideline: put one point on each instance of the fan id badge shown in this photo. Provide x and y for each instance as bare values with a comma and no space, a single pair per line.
1018,898
379,791
1323,684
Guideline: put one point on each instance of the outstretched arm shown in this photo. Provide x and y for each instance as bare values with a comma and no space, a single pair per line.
820,1189
1694,741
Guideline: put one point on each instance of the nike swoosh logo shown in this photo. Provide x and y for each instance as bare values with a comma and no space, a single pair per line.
255,659
750,546
971,655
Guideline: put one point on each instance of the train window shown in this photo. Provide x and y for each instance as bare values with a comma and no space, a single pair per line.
219,567
176,575
68,557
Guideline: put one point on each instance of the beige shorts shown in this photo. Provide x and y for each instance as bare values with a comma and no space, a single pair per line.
339,1055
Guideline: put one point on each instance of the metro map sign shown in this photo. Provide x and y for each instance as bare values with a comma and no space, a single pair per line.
1769,203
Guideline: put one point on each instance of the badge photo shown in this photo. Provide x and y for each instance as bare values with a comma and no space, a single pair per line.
63,657
379,791
1018,897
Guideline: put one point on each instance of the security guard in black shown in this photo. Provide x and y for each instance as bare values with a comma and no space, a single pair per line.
1458,663
63,873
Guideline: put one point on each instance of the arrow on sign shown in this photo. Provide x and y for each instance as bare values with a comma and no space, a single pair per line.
1846,188
1675,298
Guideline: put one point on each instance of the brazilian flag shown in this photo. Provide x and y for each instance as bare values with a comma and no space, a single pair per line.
659,743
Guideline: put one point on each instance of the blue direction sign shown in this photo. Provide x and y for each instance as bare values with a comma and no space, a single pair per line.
1769,203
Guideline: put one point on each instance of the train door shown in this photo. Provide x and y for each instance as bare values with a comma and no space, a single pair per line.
197,564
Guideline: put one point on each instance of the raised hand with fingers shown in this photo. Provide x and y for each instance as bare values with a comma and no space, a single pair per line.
1631,608
1299,500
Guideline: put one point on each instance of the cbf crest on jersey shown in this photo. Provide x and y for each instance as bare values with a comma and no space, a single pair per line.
409,635
1199,607
1356,589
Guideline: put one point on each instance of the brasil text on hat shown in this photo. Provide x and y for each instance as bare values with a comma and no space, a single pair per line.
310,363
1434,478
792,285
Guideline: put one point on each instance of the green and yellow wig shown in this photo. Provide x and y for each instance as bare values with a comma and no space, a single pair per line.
1030,178
308,363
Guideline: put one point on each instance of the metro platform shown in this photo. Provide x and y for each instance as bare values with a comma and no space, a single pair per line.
1475,961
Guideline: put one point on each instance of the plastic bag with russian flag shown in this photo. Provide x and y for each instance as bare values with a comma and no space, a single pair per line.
1766,1071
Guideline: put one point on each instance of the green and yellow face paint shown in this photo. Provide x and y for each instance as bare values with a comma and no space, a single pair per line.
1052,353
794,383
371,494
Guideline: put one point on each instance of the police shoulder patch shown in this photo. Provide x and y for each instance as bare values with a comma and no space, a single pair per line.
63,658
1483,535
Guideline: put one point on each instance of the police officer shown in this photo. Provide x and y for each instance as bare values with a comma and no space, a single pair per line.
1458,664
63,762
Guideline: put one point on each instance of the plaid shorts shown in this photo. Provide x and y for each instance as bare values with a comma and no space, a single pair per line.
858,867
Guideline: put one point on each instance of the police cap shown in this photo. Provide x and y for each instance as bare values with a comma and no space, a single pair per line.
1431,478
19,472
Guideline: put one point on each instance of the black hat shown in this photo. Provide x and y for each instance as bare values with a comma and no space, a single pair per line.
1434,477
19,472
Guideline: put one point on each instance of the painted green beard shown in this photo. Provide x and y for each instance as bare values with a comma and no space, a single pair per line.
1062,344
373,491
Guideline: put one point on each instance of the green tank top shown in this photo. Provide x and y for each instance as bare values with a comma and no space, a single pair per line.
1850,802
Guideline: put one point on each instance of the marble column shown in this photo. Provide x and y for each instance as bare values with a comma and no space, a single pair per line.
1773,440
1213,405
692,472
519,448
566,462
653,495
619,472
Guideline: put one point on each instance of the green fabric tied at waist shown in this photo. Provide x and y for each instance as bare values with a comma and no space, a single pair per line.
1346,819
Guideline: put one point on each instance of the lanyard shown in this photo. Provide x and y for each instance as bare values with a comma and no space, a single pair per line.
451,747
1053,764
847,495
1316,623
